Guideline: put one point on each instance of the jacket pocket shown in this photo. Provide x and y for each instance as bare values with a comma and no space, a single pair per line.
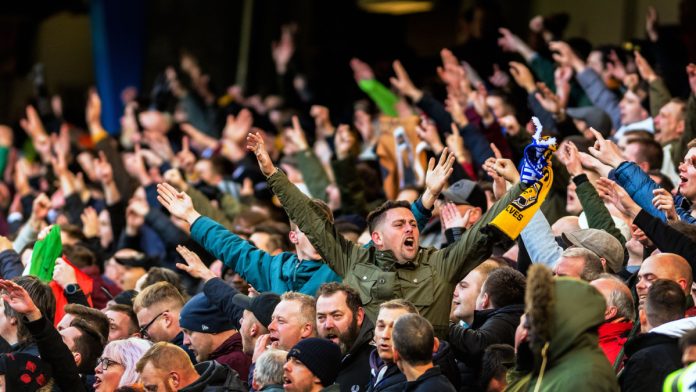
363,278
417,286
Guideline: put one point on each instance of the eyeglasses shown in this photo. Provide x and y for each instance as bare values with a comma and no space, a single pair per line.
143,331
105,363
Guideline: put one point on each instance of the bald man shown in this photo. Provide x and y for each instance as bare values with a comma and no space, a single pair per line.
618,316
668,266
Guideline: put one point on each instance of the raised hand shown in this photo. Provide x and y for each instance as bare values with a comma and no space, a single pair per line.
612,193
194,266
455,143
403,83
651,24
644,69
32,125
296,135
616,67
451,72
427,131
570,158
178,204
523,76
508,41
256,145
606,151
16,297
361,70
565,56
238,127
40,208
283,50
548,100
436,177
454,107
63,274
451,217
90,223
173,177
664,201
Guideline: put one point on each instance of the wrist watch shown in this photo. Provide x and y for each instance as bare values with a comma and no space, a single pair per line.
72,288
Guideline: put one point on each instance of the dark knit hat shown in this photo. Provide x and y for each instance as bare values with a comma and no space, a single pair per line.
262,306
24,372
322,357
199,315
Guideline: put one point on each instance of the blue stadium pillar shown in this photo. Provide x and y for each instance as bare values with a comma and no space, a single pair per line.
118,29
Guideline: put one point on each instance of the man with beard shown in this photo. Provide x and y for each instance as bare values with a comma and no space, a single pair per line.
341,319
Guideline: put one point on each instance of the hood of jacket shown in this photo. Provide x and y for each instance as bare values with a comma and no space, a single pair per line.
212,375
553,316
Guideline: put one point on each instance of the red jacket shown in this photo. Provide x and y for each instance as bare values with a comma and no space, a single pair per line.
612,337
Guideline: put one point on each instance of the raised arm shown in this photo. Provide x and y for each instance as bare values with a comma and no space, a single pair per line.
252,264
339,253
50,343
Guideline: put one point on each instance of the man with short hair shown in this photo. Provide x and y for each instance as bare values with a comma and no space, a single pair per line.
646,153
157,308
385,375
167,367
607,247
413,345
341,319
312,366
93,317
268,373
123,323
498,309
468,289
652,356
663,266
257,316
397,266
12,325
211,335
293,320
579,263
618,316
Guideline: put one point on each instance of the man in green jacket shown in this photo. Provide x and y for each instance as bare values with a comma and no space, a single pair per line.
395,267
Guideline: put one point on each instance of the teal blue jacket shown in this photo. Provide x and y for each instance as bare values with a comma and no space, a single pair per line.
280,273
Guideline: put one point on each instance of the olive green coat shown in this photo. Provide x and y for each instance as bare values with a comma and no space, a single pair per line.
428,281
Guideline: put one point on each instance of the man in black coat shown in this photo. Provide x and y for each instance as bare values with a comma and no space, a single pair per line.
652,356
341,319
499,307
413,345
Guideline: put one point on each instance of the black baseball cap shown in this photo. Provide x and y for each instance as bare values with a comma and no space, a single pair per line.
261,306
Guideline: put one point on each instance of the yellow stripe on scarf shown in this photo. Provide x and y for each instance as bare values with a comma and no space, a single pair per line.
520,211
